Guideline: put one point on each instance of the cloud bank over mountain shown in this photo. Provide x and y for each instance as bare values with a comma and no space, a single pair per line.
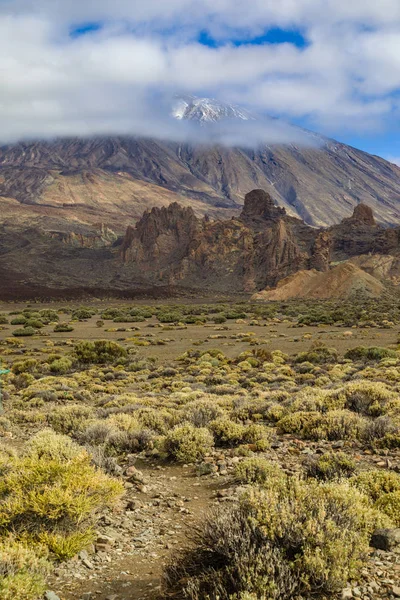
83,67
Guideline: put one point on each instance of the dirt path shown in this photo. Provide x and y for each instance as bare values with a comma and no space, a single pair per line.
142,535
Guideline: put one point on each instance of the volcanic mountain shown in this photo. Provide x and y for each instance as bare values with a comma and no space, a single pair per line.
79,186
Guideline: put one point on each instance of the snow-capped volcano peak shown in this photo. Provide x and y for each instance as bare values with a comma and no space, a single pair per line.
207,110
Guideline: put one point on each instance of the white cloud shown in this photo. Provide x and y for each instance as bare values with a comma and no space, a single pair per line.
107,82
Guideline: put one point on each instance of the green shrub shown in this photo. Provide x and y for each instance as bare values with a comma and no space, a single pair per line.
47,315
390,505
4,320
227,433
373,353
51,495
35,323
99,352
169,317
334,425
186,443
201,412
376,483
367,397
257,470
129,319
22,571
51,445
62,365
70,419
158,420
287,540
30,365
19,320
27,332
219,319
319,354
63,328
330,466
235,314
83,313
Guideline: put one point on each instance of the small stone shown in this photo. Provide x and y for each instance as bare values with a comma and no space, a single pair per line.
88,564
386,539
49,595
103,539
357,592
396,591
134,475
347,594
205,468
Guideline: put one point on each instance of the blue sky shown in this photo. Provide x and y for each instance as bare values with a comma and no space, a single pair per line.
84,67
384,141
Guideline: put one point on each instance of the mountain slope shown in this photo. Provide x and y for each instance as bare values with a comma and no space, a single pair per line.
90,176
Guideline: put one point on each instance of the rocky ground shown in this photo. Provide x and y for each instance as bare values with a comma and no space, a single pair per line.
164,502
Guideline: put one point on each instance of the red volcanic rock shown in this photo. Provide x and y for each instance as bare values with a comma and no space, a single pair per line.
172,245
321,252
363,214
259,206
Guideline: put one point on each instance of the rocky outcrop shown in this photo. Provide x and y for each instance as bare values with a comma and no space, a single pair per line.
362,215
355,235
259,208
161,240
321,252
171,247
257,249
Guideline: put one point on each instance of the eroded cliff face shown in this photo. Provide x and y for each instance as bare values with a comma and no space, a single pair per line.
256,249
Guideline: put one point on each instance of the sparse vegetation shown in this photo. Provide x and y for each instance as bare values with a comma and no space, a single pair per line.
205,394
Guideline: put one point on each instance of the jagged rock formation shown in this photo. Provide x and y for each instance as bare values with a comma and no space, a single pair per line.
258,248
171,247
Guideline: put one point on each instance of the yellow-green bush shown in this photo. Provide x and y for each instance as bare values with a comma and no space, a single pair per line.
70,419
257,470
30,365
330,465
286,540
61,365
318,400
186,443
50,445
390,505
367,397
376,483
53,493
227,433
22,570
201,412
333,425
99,352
